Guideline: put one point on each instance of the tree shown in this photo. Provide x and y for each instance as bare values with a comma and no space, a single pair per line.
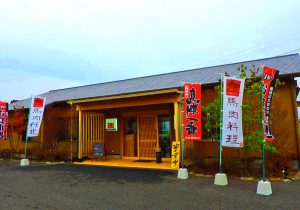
17,126
212,122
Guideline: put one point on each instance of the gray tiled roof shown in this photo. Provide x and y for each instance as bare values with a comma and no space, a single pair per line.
288,65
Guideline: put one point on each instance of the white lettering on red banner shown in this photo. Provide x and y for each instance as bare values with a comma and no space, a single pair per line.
3,120
192,112
269,80
35,116
232,135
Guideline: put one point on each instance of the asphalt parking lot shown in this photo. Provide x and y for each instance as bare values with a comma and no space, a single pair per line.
71,186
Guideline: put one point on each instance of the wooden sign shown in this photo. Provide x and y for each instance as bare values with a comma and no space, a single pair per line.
175,160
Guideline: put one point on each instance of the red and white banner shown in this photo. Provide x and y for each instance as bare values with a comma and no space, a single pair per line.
3,120
35,116
192,112
269,80
232,135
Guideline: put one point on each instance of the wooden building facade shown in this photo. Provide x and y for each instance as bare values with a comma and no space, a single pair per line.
147,112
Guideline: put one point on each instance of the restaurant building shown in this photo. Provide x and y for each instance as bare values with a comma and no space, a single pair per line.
134,116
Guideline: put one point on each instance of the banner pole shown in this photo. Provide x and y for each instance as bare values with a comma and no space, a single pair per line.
220,178
262,127
26,139
182,129
221,124
264,161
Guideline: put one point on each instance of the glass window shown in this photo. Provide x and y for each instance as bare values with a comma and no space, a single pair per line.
164,135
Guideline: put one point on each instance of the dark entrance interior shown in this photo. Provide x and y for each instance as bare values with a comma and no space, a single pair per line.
130,137
164,135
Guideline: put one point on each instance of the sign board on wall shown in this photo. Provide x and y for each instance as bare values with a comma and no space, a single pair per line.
111,124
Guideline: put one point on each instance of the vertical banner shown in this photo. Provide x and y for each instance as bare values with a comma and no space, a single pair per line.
3,120
35,116
269,80
192,112
232,129
175,160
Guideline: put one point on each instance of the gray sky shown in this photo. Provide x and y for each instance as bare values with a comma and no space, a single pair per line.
54,44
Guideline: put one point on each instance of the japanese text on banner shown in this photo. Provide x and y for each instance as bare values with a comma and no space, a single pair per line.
175,160
35,116
269,80
192,112
232,130
3,120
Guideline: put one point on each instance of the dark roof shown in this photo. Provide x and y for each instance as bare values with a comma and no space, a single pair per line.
287,65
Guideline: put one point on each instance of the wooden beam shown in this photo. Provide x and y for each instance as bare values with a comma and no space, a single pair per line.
130,95
129,102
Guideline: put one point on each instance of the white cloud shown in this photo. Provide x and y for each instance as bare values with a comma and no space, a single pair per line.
104,40
19,85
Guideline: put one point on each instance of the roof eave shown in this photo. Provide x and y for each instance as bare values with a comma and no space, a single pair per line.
128,95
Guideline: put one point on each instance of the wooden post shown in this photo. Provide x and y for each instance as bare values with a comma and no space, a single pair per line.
80,135
176,121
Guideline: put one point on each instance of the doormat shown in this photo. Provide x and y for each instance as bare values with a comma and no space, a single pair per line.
144,161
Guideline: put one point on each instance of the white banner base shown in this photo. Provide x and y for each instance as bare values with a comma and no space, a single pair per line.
24,162
182,173
220,179
264,188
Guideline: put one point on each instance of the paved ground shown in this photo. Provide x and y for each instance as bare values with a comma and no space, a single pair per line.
68,186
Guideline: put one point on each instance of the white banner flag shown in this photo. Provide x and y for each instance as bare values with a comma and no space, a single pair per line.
232,135
35,116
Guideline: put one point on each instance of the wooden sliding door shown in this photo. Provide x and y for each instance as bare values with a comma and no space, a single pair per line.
147,136
130,144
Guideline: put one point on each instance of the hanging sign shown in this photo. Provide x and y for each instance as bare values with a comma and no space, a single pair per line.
269,80
35,116
232,129
175,160
3,120
192,112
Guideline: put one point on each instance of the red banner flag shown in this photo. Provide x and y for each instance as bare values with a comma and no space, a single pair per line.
192,112
3,120
269,80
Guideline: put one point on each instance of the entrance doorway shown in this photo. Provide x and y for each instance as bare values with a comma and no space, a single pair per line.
130,137
164,130
143,132
147,136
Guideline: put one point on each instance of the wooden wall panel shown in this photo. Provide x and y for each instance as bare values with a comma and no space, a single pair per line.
92,131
